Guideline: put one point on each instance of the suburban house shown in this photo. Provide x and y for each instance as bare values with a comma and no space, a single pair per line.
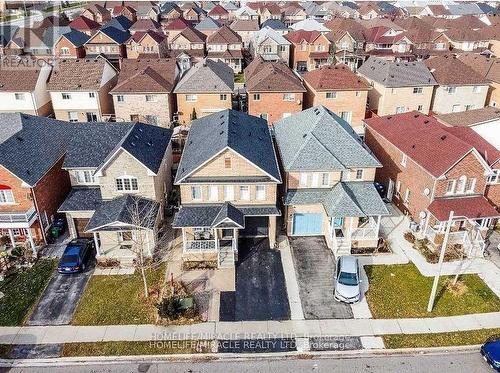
125,11
193,13
119,187
218,13
430,170
467,40
71,45
85,25
340,90
397,87
174,27
386,41
489,68
109,42
348,39
245,29
274,90
293,13
205,88
97,13
228,177
276,25
147,43
23,88
458,88
144,92
145,25
191,42
309,50
33,184
79,90
226,45
208,26
328,175
270,45
246,13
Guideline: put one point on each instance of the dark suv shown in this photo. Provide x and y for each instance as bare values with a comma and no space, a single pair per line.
76,256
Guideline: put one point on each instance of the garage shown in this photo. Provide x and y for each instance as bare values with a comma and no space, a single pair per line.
308,224
80,225
255,226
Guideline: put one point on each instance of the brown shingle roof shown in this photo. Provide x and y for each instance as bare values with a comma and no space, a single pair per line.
267,76
487,67
470,117
245,25
193,35
19,79
448,70
77,75
341,25
335,77
224,35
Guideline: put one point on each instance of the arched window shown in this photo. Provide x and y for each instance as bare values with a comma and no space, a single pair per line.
461,184
6,195
127,184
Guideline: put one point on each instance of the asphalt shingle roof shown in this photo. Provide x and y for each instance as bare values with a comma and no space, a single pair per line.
82,199
275,24
207,24
207,76
121,23
77,75
267,76
77,38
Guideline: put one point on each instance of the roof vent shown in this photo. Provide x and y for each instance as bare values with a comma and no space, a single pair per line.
389,117
443,137
132,143
19,138
221,132
426,121
150,142
416,116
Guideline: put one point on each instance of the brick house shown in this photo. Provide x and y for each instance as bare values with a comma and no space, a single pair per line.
309,50
430,170
23,87
219,13
191,42
144,25
207,26
228,177
459,88
397,87
175,27
79,90
348,38
340,90
270,45
205,88
110,42
85,25
97,13
328,185
147,43
226,45
71,45
126,11
245,29
144,91
274,90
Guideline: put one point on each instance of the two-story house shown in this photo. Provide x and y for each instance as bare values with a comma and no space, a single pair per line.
120,174
348,39
85,25
228,177
226,45
397,87
429,172
459,88
23,86
218,12
189,41
110,42
388,42
147,43
309,50
270,45
144,91
328,176
71,45
340,90
205,88
144,25
274,90
208,26
245,29
79,89
125,11
97,13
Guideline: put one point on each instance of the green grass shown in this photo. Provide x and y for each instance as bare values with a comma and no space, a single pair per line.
463,338
22,289
398,291
239,78
5,351
129,348
117,300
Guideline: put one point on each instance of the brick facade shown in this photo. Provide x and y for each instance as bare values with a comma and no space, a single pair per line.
74,52
273,104
135,105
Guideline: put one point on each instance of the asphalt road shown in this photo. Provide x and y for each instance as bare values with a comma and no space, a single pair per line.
454,362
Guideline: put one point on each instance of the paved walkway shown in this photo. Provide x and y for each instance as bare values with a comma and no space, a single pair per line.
247,329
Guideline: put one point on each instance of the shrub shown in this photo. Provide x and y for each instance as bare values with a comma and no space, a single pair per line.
410,237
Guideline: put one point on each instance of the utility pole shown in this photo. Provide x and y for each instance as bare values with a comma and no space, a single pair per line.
430,306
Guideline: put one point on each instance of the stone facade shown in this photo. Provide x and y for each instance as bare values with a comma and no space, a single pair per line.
135,107
205,104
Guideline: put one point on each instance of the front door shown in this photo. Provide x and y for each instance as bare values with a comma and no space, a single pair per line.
390,190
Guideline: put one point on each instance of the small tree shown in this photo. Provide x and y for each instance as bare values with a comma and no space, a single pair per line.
193,114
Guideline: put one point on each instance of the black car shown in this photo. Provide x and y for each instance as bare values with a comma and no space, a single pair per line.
380,189
76,256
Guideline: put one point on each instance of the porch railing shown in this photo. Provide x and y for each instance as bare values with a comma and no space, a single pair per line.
364,234
201,246
18,218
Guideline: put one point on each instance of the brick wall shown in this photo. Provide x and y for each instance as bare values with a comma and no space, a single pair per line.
273,104
135,104
73,51
22,195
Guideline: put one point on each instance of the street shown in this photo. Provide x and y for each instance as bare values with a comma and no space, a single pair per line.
470,362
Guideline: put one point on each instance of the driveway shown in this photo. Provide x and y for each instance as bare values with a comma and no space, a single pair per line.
315,268
260,285
59,300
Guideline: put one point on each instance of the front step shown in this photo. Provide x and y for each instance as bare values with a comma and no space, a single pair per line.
226,258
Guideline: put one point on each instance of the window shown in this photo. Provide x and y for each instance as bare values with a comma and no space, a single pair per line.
91,94
286,115
407,197
346,115
440,46
398,187
66,96
470,185
263,116
91,117
357,93
65,51
494,178
245,193
191,98
450,188
470,107
455,108
223,97
400,109
325,179
451,90
417,90
19,96
72,116
256,96
6,196
359,174
151,119
125,236
196,193
127,183
461,184
282,48
151,98
213,193
331,95
404,159
228,193
85,177
120,98
227,162
476,89
420,107
315,180
260,192
303,179
288,96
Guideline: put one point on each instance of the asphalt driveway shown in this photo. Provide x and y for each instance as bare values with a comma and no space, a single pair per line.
315,269
260,285
59,300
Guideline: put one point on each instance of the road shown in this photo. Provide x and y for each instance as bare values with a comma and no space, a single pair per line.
466,362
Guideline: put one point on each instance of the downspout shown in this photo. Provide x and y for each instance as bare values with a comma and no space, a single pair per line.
38,213
34,103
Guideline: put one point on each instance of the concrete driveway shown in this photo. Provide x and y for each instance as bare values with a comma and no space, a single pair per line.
59,300
315,269
260,285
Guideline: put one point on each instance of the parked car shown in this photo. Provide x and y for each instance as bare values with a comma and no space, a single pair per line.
347,287
76,256
491,353
380,189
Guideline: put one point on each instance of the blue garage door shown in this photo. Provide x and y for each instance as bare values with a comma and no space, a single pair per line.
307,224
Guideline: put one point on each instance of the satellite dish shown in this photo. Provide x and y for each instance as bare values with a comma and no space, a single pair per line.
426,191
422,214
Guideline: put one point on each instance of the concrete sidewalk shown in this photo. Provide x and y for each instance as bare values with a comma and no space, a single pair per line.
247,329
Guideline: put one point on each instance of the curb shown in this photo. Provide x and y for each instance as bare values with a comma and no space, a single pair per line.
109,360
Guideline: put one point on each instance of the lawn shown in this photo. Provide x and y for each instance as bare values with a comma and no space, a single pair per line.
117,300
398,291
463,338
22,289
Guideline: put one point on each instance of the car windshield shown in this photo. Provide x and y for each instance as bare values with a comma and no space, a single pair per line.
69,259
349,279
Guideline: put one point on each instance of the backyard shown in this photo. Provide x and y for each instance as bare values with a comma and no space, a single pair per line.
400,291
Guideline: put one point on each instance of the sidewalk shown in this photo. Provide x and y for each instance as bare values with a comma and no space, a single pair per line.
247,329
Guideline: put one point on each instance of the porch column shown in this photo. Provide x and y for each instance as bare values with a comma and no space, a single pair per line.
30,239
349,235
272,231
378,226
12,239
183,239
235,239
96,242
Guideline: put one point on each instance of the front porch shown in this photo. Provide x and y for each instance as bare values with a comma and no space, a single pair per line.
358,232
20,230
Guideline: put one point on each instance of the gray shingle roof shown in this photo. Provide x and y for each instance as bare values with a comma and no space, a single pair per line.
318,140
77,38
229,215
82,199
344,199
397,74
207,24
245,134
275,24
207,76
